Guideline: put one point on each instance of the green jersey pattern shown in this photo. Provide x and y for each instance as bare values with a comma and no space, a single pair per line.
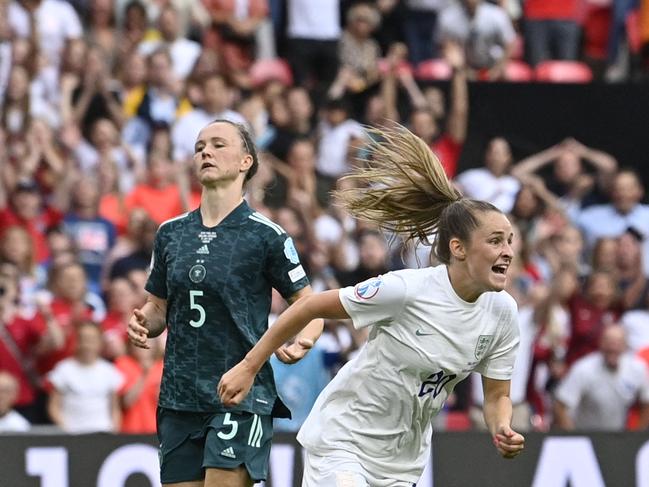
217,283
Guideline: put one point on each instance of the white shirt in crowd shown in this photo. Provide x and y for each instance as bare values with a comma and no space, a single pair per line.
636,327
183,52
605,221
13,422
481,184
314,19
485,36
86,394
423,340
183,133
599,398
334,146
57,22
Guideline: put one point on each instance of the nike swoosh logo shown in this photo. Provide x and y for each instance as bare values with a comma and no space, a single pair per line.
420,333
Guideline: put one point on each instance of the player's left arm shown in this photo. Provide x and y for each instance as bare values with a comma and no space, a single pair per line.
498,416
305,340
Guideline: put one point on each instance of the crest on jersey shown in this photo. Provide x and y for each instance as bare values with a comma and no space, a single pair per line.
290,252
197,273
484,341
368,289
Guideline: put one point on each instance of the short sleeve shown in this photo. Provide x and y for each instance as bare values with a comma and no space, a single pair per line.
73,29
157,282
499,363
377,300
643,394
506,28
57,377
569,389
115,379
283,268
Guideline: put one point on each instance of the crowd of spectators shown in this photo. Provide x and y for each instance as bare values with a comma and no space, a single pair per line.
101,103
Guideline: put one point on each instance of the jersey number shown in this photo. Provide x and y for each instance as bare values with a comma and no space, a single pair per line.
256,430
194,305
434,383
228,422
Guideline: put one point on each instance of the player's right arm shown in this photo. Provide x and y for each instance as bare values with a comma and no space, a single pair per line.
236,383
148,321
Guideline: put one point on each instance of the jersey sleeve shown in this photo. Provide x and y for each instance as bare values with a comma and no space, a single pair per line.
499,363
283,268
377,300
569,390
156,284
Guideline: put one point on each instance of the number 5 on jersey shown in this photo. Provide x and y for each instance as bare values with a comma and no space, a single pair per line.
194,305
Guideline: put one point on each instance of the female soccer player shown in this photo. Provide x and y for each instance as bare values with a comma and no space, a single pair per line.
211,277
430,328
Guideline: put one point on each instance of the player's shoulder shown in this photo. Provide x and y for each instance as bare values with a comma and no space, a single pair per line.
264,226
503,304
168,226
413,277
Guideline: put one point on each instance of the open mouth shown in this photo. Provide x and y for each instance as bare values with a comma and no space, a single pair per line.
207,165
500,269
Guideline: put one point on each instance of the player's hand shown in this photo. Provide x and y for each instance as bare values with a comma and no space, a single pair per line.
137,329
509,443
235,384
293,352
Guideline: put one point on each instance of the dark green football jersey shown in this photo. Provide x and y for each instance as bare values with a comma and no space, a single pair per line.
217,282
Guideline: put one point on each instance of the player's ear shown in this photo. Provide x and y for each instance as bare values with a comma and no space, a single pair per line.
457,248
246,163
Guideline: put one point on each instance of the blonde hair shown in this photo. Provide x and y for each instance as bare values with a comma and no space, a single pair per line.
401,187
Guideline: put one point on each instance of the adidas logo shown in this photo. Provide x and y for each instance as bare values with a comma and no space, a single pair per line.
228,452
203,250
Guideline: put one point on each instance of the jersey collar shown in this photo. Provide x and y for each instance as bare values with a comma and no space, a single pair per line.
236,217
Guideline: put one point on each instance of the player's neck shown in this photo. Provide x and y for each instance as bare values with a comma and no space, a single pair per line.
217,203
463,285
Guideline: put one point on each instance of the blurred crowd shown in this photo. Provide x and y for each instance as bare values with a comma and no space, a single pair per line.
102,101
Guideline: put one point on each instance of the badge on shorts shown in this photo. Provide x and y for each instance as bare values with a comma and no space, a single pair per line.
484,341
197,273
368,289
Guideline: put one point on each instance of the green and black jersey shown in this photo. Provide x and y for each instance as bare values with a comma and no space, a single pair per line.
217,282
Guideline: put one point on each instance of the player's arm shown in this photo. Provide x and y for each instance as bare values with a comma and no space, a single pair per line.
148,321
235,384
562,417
305,339
498,416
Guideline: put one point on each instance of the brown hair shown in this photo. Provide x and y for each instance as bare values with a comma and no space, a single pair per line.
403,189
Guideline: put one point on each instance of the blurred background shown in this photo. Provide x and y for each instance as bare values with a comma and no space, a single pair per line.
538,106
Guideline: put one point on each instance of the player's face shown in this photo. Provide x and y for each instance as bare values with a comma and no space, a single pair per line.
490,253
219,156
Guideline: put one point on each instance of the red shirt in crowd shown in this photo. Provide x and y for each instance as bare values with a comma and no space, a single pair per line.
160,204
67,317
586,325
26,334
36,228
448,152
140,418
554,9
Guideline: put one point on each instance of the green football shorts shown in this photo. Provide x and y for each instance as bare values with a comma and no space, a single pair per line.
190,442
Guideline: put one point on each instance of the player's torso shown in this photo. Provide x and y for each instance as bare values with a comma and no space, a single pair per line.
212,273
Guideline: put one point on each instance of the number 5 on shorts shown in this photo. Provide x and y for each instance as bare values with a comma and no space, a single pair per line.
228,422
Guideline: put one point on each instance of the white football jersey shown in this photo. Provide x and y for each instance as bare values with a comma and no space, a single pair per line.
423,341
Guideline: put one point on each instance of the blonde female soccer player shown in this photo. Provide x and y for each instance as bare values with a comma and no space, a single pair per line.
430,328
